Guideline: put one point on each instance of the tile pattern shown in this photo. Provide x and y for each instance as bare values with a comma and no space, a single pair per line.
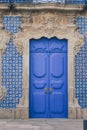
81,66
75,1
45,1
11,69
22,1
15,1
49,1
4,1
60,1
81,22
12,23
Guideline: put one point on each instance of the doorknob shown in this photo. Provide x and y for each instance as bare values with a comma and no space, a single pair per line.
51,89
46,90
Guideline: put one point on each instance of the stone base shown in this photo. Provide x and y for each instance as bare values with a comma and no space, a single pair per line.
72,113
77,113
19,113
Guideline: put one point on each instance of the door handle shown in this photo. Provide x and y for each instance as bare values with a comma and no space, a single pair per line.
46,90
51,89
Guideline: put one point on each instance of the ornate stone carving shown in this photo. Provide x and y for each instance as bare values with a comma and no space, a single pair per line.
4,38
44,20
75,102
2,93
79,41
71,18
19,44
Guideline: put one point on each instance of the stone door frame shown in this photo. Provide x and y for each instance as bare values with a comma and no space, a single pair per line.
75,40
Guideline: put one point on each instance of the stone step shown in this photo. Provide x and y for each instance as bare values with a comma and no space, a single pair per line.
29,127
19,128
43,124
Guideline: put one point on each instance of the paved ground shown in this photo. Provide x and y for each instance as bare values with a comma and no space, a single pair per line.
41,124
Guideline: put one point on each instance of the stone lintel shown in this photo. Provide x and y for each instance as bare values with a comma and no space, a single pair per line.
51,6
46,6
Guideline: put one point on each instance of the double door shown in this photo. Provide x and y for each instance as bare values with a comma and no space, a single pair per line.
48,78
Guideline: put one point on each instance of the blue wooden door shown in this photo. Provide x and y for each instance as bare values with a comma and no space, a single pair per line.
48,78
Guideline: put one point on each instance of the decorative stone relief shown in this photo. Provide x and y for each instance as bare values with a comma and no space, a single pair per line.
50,25
19,45
2,93
46,23
71,18
38,20
78,42
4,38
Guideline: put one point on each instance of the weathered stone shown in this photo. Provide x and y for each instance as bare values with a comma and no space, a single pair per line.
72,113
5,114
84,113
78,113
17,114
24,113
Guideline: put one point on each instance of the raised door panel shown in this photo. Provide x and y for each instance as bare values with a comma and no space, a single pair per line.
38,78
48,78
56,65
58,85
58,78
57,103
57,45
39,65
39,81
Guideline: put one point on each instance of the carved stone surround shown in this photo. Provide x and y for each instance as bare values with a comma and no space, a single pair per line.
4,38
47,24
61,25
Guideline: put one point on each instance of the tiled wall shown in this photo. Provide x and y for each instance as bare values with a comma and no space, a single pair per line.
75,1
61,1
12,23
14,1
81,66
45,1
11,66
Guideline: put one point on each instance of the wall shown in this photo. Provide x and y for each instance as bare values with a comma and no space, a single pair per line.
17,28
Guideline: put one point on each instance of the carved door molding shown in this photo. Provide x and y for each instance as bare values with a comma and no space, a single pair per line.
49,27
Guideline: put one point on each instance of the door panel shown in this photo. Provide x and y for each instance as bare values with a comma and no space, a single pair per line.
58,76
57,104
57,84
57,45
39,102
56,65
39,84
48,78
39,81
39,65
